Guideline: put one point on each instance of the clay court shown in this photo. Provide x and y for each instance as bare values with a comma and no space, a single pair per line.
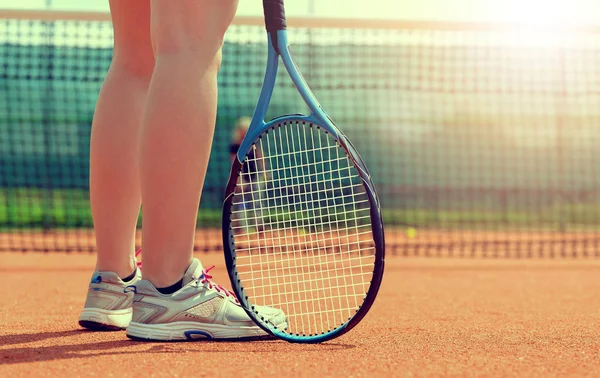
433,317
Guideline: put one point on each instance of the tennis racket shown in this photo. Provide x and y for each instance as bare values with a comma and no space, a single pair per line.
302,225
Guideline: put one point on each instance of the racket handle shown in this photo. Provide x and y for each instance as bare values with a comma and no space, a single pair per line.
274,15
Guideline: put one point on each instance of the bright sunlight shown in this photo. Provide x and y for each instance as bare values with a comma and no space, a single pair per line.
543,13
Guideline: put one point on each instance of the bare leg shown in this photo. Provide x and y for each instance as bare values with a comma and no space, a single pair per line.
178,127
114,177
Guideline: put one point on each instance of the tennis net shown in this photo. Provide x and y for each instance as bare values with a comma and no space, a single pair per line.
482,140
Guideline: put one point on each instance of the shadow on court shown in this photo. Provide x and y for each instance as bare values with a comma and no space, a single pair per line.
93,346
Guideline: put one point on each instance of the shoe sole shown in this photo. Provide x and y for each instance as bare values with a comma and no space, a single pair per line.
97,319
193,331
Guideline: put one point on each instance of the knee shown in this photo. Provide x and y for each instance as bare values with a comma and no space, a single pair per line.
194,32
216,64
139,65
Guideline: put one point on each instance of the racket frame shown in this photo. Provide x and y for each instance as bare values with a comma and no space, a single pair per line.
258,126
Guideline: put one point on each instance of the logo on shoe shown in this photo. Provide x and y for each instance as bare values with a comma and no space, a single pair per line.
97,279
197,335
130,289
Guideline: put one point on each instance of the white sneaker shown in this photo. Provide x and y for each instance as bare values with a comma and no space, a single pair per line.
108,305
200,310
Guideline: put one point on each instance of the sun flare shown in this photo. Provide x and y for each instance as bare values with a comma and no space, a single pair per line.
541,13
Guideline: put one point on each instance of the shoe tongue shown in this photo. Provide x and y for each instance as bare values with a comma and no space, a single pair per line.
193,272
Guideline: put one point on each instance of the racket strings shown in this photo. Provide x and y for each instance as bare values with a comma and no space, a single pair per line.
302,229
299,240
308,202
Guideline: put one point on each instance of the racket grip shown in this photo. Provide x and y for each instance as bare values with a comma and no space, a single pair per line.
274,15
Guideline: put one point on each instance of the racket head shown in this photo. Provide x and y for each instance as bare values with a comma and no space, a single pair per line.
315,251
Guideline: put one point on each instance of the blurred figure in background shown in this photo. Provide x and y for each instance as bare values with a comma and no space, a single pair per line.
239,133
252,186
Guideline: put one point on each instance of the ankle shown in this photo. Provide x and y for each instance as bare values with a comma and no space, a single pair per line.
164,275
123,270
163,282
171,288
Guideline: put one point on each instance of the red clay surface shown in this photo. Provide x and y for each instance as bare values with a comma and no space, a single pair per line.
433,317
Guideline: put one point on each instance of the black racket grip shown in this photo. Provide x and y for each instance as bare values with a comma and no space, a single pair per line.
274,15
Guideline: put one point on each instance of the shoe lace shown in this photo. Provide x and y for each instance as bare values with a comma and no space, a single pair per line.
206,279
137,253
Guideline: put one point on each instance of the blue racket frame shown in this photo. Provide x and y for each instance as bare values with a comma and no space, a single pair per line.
257,127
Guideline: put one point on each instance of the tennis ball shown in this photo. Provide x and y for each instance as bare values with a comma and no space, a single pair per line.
302,231
411,233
